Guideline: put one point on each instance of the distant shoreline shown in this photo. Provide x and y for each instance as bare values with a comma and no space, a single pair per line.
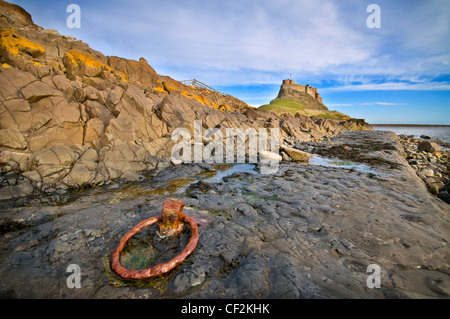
412,125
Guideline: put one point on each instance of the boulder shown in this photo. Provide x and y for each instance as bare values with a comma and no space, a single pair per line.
122,128
124,157
12,80
19,161
60,109
17,48
296,155
139,72
12,138
177,112
355,125
16,191
94,129
37,90
16,15
79,175
426,172
292,127
268,155
64,134
132,177
96,110
328,125
80,63
429,147
18,114
252,115
104,140
53,164
32,176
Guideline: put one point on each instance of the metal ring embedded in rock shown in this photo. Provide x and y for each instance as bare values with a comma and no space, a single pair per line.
162,268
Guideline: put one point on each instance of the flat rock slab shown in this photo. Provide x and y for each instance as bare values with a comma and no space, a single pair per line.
306,231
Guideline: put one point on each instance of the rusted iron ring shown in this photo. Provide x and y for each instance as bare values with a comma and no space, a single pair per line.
159,269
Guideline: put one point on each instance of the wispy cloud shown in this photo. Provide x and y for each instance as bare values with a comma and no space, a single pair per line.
366,104
245,42
391,86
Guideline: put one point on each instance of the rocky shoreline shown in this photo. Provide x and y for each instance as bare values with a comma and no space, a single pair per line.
73,118
431,163
85,154
307,231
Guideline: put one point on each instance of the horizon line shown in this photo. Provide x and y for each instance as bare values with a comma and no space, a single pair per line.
418,125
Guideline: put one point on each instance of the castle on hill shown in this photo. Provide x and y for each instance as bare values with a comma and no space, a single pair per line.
312,91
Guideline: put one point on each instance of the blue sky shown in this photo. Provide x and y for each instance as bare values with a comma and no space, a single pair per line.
399,73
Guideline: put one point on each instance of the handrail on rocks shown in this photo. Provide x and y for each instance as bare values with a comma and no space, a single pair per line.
195,82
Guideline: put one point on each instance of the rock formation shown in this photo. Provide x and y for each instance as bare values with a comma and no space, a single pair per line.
307,95
72,117
296,98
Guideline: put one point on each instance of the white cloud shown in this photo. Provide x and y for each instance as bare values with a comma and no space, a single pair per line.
236,37
391,86
366,104
241,42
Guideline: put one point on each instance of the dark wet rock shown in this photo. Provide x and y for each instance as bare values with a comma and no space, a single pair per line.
359,146
429,147
306,231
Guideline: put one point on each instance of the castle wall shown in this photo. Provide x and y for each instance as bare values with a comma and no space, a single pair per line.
312,91
319,98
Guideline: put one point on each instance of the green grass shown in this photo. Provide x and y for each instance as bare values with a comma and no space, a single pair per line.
294,107
332,114
284,106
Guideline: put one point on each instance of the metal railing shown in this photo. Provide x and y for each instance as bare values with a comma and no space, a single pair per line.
197,83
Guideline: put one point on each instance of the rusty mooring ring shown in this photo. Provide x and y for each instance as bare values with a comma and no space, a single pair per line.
159,269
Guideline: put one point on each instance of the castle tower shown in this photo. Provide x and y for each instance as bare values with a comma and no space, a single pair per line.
288,82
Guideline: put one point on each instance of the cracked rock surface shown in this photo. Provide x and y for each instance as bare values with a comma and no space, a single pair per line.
307,231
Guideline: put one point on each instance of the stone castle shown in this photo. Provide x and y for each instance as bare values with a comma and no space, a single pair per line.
312,91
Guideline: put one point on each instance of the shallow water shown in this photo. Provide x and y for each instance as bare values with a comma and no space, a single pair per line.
434,132
237,168
327,162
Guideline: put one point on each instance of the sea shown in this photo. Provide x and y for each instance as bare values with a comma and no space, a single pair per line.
439,132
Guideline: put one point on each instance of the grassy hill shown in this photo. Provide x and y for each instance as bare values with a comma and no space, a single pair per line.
284,106
294,107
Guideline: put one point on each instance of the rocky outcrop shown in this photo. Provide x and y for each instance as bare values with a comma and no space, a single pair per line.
300,100
305,95
63,102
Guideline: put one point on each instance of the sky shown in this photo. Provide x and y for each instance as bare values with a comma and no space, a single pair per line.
398,73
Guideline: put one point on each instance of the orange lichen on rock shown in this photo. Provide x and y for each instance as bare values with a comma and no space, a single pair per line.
84,64
15,44
159,89
168,88
35,63
196,97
